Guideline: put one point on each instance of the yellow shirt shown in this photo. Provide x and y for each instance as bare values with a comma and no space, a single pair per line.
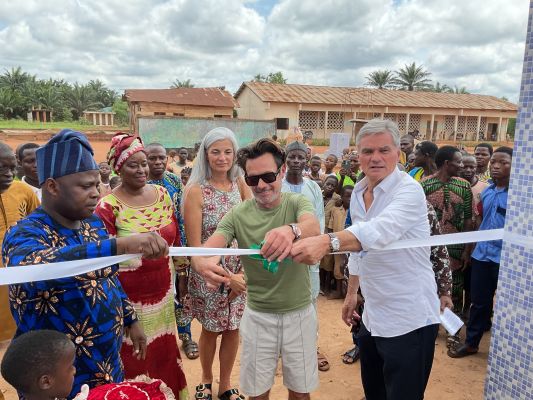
15,203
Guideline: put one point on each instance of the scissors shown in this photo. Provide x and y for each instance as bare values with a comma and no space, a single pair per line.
223,265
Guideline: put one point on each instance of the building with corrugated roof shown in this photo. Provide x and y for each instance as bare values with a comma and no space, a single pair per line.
324,110
179,102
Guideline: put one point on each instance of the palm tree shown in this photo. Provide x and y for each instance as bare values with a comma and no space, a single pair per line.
50,97
461,90
15,79
412,77
101,93
181,84
438,88
381,79
81,98
9,102
272,77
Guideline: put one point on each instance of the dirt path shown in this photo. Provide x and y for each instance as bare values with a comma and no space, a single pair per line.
461,379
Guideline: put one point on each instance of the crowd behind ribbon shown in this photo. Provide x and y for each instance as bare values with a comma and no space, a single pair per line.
124,321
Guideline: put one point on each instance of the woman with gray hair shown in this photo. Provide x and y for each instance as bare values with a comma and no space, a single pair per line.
214,187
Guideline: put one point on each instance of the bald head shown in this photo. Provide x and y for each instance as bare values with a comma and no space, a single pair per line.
6,150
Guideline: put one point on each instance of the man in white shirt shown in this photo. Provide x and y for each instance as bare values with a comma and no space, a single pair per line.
401,316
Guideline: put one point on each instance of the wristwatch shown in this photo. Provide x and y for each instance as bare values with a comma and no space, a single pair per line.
296,231
334,243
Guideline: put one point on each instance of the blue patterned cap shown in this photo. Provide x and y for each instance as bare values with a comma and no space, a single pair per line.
68,152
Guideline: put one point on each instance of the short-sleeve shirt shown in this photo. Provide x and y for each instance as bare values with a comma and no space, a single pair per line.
288,289
494,202
453,203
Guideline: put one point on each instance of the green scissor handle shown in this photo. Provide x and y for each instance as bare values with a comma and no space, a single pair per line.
270,266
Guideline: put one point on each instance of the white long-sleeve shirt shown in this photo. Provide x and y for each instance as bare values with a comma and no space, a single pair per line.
398,285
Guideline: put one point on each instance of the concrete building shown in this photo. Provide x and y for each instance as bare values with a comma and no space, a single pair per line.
102,117
325,110
179,102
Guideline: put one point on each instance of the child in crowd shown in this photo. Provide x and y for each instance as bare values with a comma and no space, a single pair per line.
115,181
185,174
346,153
40,365
105,172
337,223
410,162
330,163
331,199
316,173
171,159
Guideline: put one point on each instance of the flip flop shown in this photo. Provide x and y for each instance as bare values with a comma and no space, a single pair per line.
190,347
323,364
351,356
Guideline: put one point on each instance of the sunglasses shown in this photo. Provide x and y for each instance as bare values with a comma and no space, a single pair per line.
267,177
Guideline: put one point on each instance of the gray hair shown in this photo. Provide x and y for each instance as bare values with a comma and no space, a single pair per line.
375,126
201,171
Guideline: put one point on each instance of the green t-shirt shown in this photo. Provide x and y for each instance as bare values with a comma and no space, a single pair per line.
289,288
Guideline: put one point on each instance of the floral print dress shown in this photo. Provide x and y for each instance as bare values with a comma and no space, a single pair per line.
210,307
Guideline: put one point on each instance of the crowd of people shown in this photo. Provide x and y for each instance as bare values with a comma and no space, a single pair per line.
127,320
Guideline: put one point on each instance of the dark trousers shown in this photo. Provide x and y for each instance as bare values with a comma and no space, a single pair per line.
483,285
397,368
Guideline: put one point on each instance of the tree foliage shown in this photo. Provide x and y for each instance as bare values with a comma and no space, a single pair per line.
412,77
21,92
273,77
381,79
181,84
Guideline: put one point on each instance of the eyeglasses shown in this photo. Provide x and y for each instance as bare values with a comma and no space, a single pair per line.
267,177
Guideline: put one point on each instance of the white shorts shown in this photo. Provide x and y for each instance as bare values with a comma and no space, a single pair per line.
266,337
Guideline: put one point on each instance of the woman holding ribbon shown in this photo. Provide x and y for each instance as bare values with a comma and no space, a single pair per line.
137,207
214,187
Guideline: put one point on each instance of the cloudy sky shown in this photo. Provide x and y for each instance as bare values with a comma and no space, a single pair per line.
478,44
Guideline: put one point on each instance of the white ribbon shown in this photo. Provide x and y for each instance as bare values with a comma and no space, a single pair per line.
32,273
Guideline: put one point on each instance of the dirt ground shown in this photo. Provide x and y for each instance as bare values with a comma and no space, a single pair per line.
451,379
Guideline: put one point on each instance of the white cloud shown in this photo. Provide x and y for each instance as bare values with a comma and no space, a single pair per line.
140,43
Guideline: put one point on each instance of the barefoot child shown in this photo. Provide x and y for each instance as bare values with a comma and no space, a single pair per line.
337,223
331,199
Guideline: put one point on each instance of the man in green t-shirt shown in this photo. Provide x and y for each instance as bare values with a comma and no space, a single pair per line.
279,319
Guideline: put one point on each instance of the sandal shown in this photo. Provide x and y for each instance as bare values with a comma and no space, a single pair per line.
323,364
452,341
461,351
201,391
351,356
231,392
190,347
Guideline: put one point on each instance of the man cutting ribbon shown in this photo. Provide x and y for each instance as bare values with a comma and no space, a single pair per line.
92,309
279,317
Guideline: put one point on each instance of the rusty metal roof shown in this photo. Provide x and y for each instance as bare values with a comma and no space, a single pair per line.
307,94
213,97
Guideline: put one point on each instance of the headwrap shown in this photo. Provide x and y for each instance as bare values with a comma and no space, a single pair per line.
68,152
296,146
123,146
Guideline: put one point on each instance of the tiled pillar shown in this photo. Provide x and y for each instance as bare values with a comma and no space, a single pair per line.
510,372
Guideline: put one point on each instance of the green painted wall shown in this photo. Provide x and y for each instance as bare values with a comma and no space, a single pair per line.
185,132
